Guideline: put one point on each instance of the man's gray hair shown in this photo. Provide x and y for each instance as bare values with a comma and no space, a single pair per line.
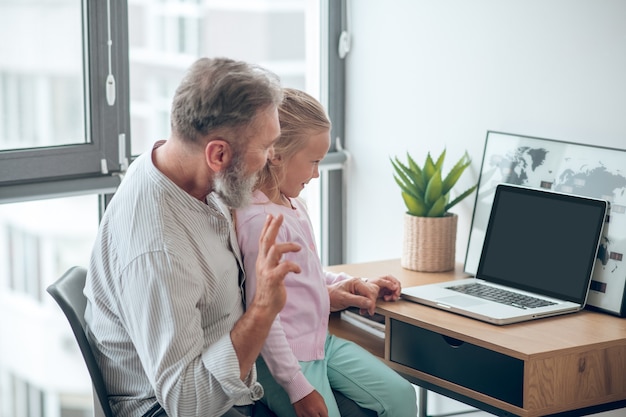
221,93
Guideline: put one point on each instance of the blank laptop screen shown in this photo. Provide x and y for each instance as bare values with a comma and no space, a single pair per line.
542,242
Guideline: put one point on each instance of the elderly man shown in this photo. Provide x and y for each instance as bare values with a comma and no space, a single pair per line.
165,312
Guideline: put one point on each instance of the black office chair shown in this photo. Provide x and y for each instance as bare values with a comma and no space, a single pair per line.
67,291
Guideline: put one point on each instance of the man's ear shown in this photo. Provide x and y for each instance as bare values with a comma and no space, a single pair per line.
218,154
275,160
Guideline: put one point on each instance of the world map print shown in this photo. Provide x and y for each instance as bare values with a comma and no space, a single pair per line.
565,167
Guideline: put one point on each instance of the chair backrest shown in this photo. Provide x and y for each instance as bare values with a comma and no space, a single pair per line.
67,291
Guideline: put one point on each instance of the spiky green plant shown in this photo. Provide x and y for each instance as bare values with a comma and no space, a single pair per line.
425,191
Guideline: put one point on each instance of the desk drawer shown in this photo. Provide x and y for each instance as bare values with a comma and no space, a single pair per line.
491,373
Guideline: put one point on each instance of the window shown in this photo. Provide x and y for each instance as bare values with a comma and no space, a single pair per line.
56,120
75,104
61,137
41,89
39,240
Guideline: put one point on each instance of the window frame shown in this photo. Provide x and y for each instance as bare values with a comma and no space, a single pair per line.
28,174
332,178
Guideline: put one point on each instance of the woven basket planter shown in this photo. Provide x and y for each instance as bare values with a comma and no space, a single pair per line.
429,243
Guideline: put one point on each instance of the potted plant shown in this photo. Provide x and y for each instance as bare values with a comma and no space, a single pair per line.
429,227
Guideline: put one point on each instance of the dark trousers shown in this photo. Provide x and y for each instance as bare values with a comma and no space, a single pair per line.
347,407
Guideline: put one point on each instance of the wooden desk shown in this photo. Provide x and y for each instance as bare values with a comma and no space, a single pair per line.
569,365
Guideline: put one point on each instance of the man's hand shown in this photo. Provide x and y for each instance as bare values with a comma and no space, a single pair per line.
271,269
312,405
363,293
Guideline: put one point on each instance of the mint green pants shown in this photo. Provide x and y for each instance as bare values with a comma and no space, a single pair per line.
354,372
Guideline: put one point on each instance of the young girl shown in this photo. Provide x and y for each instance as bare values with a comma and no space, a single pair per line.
301,363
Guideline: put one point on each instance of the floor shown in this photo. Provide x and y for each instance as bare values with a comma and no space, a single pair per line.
614,413
440,406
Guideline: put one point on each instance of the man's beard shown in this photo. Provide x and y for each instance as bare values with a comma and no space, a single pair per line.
233,186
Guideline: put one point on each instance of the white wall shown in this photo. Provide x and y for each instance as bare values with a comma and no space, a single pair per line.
428,74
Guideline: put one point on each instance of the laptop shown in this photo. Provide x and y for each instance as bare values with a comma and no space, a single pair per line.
540,249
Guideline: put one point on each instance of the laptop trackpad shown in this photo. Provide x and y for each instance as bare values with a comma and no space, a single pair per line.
460,300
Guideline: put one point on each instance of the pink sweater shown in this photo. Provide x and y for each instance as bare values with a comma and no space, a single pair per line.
299,331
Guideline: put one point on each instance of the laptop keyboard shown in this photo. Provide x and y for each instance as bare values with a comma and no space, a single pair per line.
501,296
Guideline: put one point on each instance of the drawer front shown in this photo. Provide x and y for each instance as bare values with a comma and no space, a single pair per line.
491,373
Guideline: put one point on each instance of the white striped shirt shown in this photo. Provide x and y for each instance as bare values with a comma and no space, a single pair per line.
164,292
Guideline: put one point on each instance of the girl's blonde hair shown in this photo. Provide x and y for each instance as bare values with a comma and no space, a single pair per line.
300,116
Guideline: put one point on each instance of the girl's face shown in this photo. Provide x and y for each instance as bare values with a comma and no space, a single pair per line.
304,165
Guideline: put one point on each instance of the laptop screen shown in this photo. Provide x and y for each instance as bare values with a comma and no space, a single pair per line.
542,241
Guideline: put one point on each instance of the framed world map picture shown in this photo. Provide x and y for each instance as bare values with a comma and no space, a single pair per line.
565,167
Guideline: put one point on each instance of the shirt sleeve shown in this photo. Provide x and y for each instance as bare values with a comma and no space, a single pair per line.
276,352
162,298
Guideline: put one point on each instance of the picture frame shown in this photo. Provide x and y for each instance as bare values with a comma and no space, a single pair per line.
568,167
